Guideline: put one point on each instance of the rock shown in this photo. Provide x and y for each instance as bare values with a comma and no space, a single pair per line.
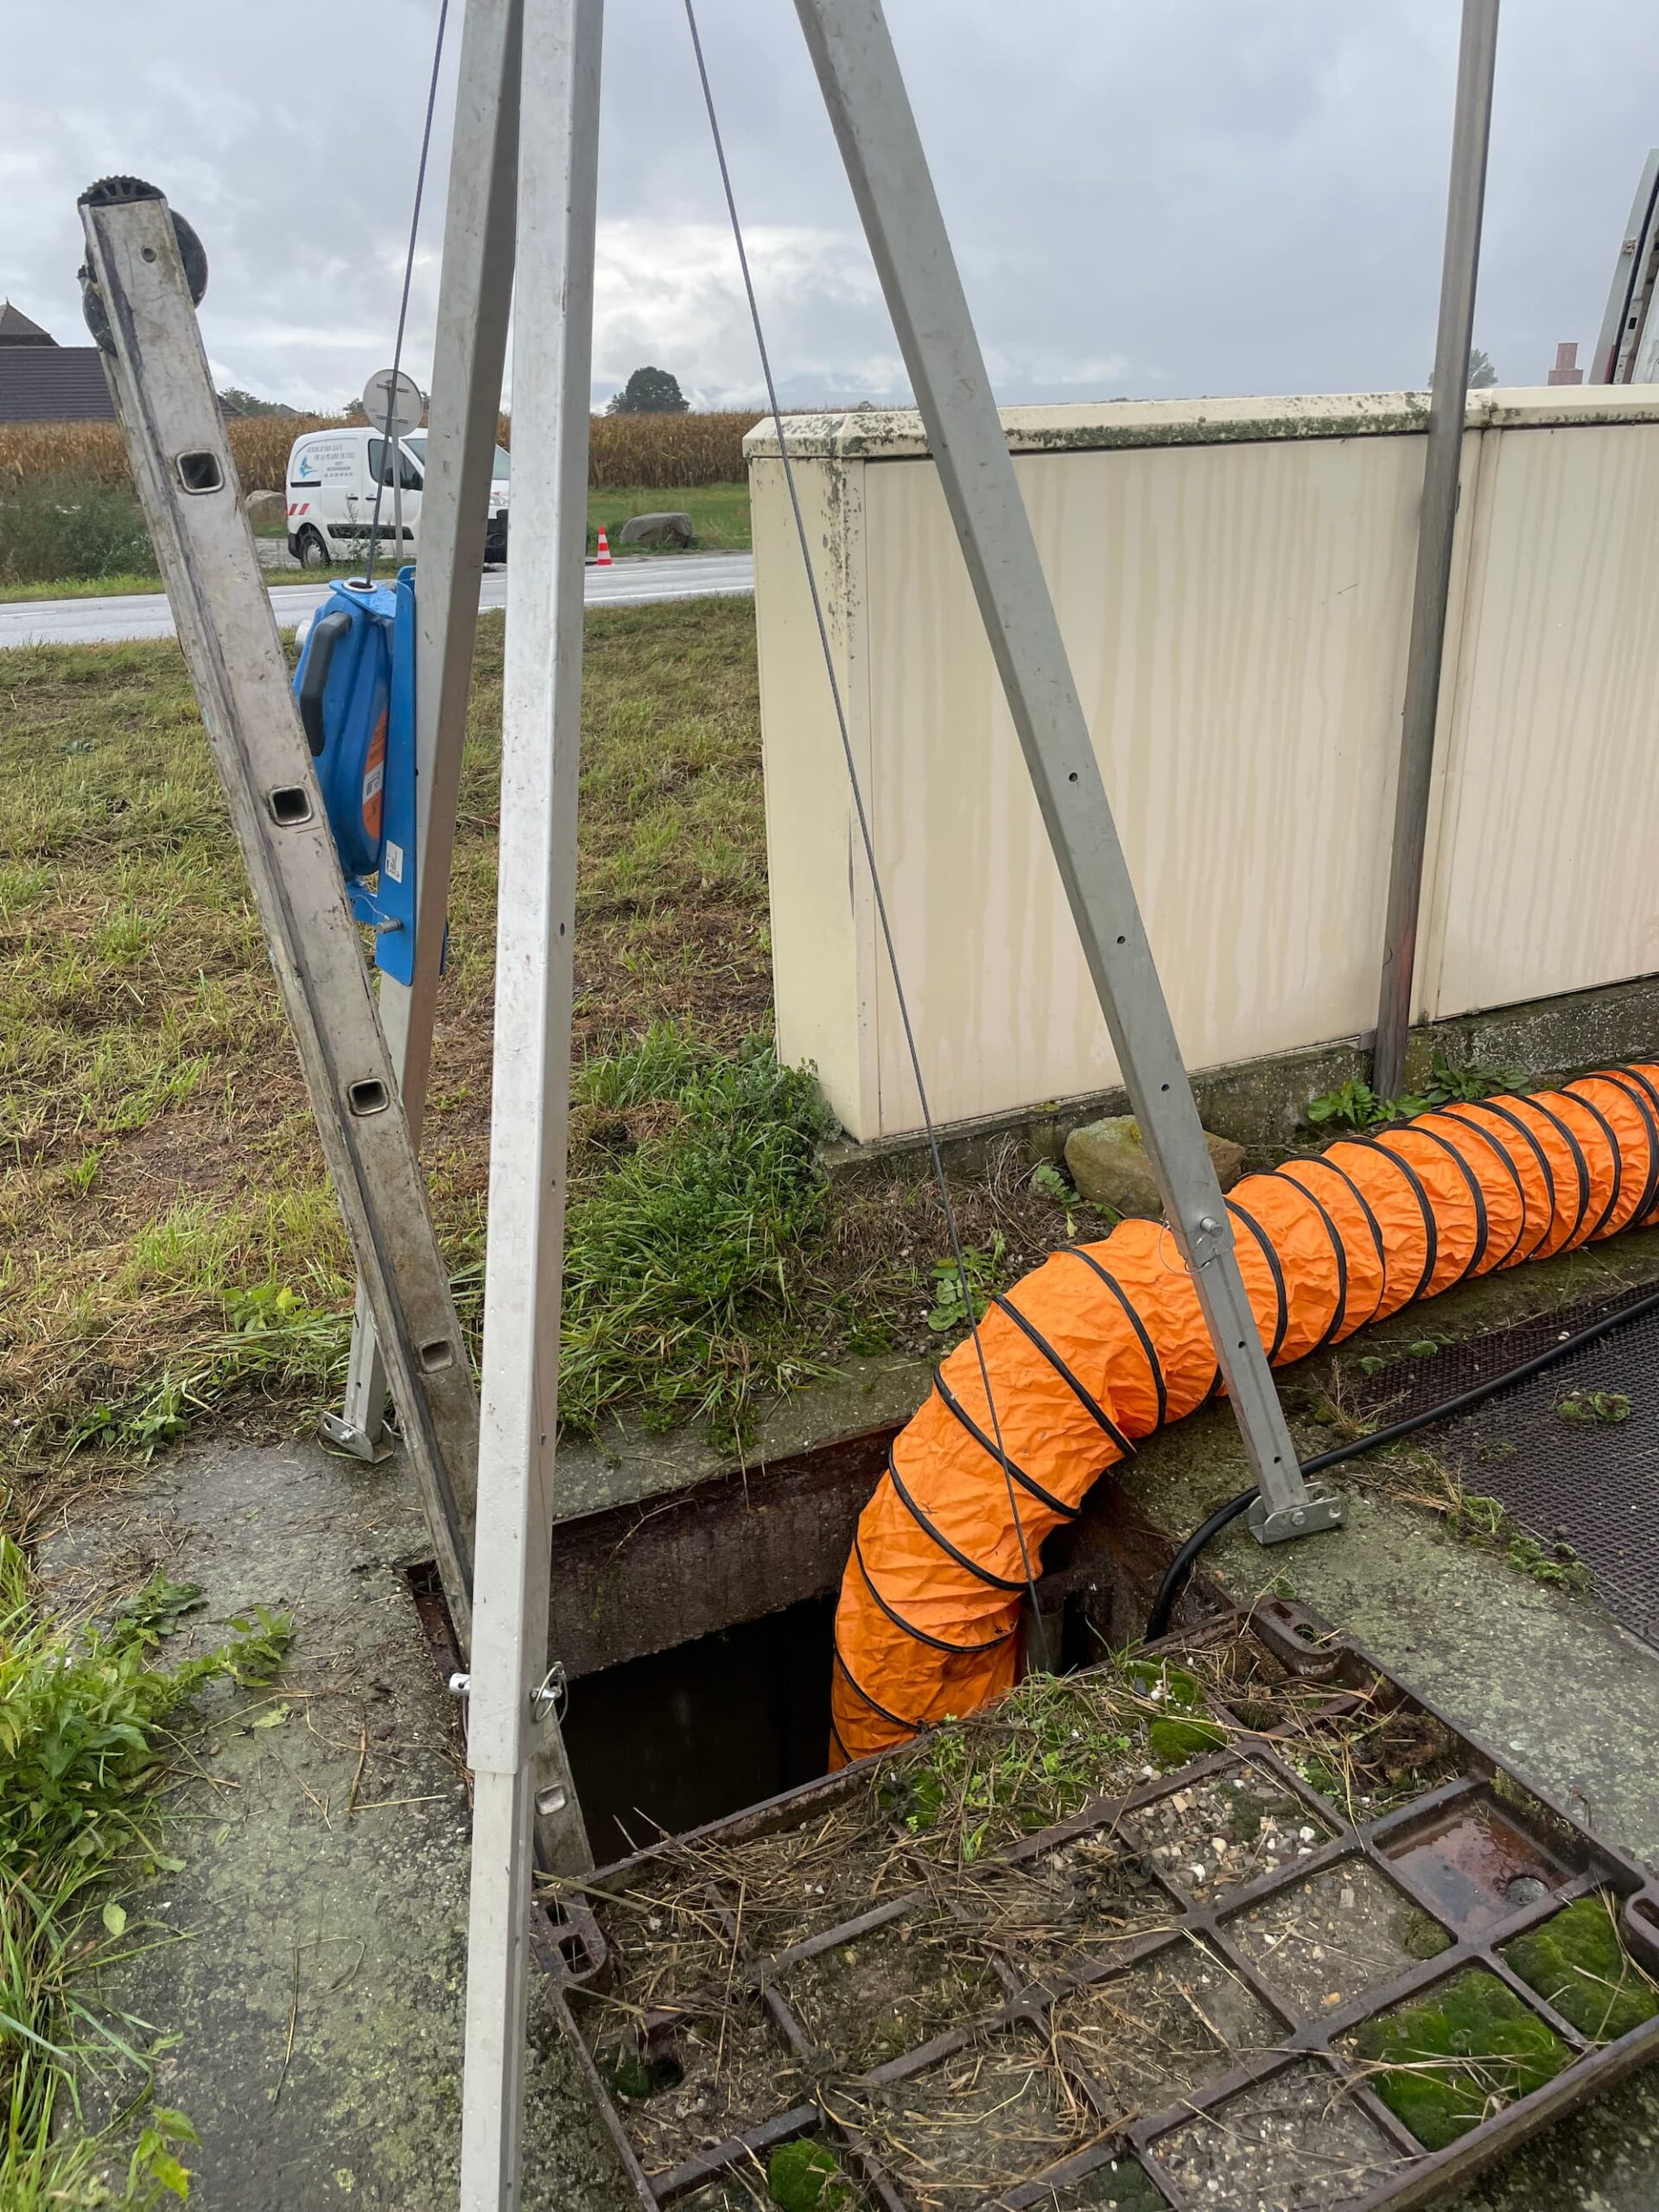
266,509
1108,1164
657,530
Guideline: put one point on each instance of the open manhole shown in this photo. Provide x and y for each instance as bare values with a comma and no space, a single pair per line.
1235,1922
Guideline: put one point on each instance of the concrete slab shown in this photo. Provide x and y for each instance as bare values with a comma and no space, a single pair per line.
298,1985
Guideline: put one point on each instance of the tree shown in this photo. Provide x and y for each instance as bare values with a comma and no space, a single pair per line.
1482,375
650,391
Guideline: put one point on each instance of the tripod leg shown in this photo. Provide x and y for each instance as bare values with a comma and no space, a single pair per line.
474,296
521,1784
858,72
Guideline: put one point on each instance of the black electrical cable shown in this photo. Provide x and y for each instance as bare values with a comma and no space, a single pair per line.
1181,1566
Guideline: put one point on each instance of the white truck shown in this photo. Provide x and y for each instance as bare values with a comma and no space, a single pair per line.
332,478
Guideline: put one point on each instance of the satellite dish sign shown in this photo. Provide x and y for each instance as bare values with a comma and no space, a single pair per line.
393,401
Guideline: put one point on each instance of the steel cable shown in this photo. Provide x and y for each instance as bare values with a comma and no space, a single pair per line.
866,835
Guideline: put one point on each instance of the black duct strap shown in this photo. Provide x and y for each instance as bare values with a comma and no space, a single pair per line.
1645,1099
1340,1253
1530,1137
987,1446
1431,1226
1273,1269
1579,1162
1510,1169
1085,1398
938,1643
1471,1184
1017,1587
1322,1160
1571,1091
1077,1252
911,1727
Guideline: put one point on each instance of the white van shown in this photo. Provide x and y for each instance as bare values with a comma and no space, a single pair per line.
332,475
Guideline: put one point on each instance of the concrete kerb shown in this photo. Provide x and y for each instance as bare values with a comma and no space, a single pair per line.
1260,1103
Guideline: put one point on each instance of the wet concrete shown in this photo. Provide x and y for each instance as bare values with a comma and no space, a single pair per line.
298,1985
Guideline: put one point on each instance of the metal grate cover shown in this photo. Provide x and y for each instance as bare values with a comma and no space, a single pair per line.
1435,1884
1592,1485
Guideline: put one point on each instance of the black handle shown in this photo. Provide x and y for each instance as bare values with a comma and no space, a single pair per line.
318,661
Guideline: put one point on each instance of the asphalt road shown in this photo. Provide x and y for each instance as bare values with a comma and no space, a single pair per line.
146,615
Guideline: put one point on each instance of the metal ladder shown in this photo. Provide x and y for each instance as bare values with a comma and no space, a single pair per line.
141,310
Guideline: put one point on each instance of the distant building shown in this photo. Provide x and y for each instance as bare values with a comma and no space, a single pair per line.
1567,369
43,382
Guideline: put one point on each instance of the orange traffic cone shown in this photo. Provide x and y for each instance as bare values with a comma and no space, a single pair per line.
604,560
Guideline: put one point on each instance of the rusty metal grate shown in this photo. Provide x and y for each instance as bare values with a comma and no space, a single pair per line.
1191,2035
1592,1485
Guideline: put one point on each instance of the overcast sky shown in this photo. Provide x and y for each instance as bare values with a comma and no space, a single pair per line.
1157,200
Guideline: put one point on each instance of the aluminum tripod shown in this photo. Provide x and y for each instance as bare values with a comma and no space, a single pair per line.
529,77
557,119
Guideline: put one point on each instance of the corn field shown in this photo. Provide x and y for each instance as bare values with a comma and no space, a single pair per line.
671,451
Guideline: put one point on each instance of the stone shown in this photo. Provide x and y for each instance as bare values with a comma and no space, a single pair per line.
266,510
1107,1162
657,530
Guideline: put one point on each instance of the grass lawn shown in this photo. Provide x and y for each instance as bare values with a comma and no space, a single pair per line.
169,1243
719,512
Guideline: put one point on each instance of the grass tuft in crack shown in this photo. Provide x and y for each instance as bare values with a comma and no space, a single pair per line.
83,1741
682,1272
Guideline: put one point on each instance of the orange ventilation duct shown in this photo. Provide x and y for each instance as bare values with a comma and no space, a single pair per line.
1105,1343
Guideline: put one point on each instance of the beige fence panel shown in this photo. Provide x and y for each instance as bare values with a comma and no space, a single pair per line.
1233,579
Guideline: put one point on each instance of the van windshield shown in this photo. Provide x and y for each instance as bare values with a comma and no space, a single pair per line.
416,444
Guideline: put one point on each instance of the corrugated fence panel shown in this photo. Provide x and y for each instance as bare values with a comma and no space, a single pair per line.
1235,616
1549,873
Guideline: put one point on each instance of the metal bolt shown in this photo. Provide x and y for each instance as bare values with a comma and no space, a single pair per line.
459,1685
1209,1224
550,1800
1297,1518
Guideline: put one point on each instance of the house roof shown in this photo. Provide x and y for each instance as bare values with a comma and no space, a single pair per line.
17,330
53,383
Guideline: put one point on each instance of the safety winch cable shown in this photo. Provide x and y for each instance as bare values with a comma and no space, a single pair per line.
868,841
1181,1566
393,457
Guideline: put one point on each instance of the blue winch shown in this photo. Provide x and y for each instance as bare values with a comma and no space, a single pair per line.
355,685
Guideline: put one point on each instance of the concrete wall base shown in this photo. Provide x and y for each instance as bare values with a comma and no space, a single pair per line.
1261,1103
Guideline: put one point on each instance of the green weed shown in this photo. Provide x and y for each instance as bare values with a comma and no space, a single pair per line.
272,1338
1577,1963
1589,1408
1355,1105
83,1723
805,2177
956,1300
62,526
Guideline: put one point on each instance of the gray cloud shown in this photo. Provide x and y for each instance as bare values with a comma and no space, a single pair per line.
1202,196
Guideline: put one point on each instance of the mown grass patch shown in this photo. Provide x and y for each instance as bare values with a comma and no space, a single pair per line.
168,1232
170,1242
719,512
